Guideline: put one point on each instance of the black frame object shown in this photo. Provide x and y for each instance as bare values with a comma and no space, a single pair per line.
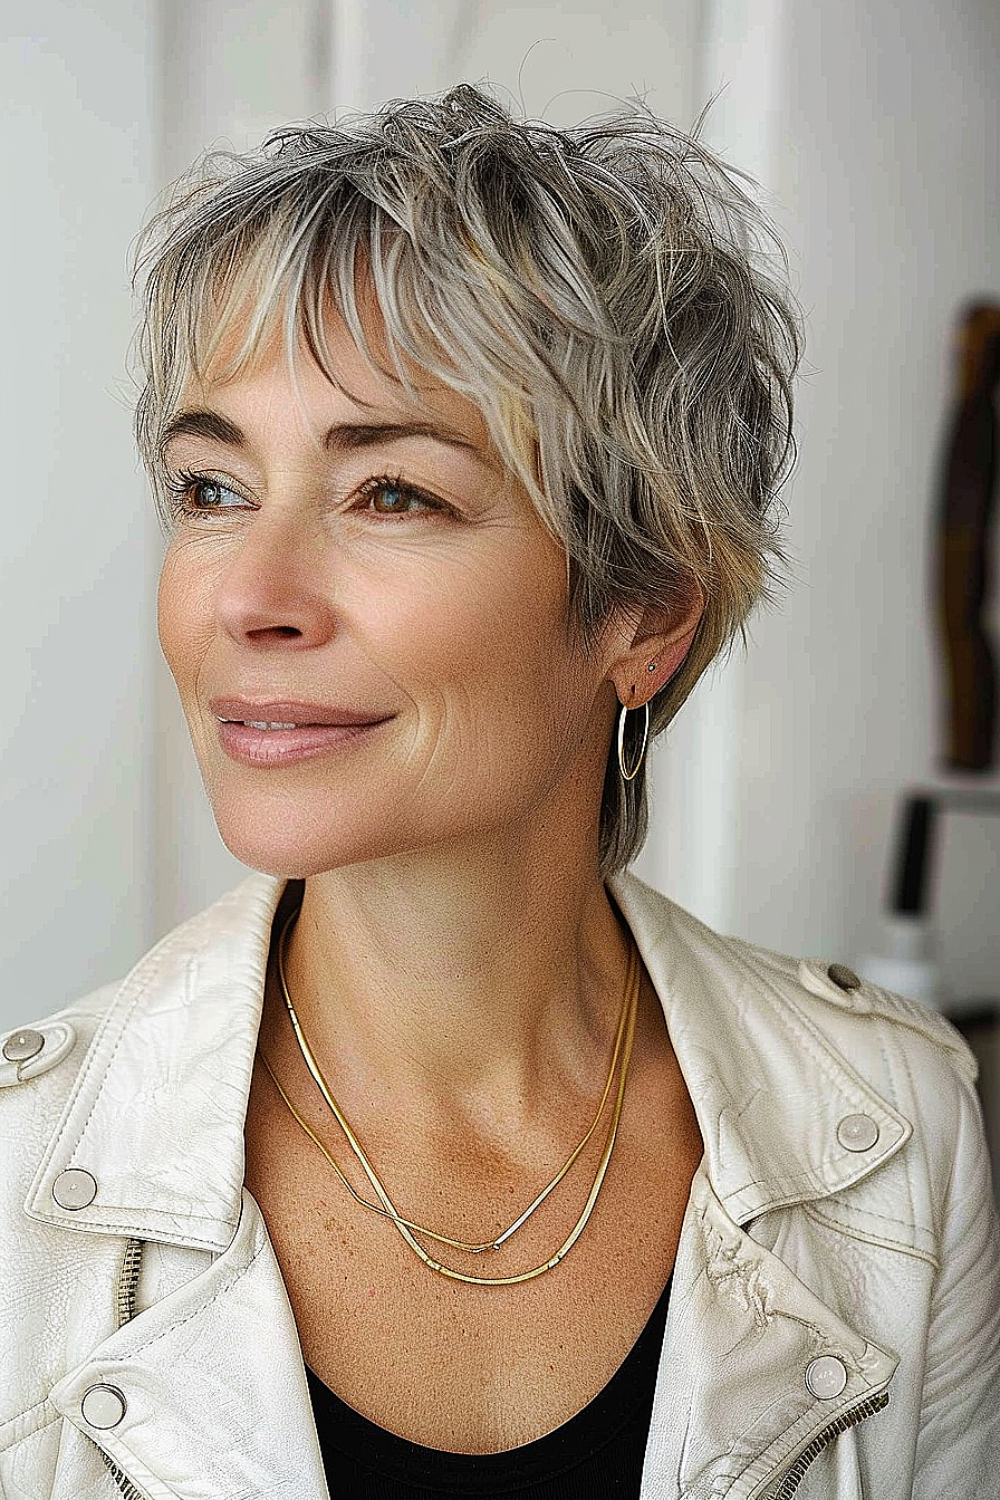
918,815
912,867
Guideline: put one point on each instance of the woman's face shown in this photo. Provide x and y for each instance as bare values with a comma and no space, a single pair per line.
363,568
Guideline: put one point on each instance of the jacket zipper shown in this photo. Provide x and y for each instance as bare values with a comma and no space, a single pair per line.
125,1290
790,1480
128,1281
122,1480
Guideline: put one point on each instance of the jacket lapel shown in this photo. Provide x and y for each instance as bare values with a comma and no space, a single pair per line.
156,1116
214,1386
768,1088
732,1403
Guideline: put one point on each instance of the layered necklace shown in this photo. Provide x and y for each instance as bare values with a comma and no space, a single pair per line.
408,1228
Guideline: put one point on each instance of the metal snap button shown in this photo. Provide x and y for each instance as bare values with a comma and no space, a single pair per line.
843,977
857,1132
23,1045
826,1377
103,1406
74,1188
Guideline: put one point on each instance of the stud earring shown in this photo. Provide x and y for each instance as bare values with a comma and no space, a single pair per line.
651,667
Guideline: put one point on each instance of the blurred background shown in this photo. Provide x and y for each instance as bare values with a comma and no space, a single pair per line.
874,131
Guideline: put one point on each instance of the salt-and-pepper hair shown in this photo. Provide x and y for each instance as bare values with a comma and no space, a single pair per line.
609,295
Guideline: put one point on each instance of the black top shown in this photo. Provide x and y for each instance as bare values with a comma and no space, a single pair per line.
596,1455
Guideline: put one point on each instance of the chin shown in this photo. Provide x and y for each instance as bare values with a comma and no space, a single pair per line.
294,841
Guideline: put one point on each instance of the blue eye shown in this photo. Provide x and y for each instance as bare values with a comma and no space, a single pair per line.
391,497
210,495
200,492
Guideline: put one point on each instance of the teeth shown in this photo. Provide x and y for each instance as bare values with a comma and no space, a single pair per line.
263,724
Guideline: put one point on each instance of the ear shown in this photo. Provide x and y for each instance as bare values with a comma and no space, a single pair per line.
656,649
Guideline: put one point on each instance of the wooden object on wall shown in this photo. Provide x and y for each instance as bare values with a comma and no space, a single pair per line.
965,514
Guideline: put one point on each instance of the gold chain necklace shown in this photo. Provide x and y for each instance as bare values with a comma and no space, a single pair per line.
477,1249
407,1227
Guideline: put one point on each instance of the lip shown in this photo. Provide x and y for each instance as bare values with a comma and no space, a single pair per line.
291,711
319,729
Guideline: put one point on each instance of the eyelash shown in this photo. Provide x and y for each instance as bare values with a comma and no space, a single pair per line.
184,483
187,482
388,482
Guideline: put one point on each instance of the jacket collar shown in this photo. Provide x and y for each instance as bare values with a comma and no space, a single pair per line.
156,1114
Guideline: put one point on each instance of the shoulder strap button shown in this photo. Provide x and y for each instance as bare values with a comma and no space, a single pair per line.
22,1045
30,1052
843,977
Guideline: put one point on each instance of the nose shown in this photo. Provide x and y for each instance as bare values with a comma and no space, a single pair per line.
275,589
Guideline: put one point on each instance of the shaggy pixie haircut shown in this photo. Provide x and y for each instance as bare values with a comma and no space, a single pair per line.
605,295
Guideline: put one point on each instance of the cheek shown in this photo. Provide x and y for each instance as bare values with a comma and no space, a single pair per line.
479,647
478,629
183,613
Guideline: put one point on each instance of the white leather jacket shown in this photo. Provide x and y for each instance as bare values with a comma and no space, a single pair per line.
834,1321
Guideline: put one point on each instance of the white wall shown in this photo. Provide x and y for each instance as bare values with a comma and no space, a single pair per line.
563,61
885,123
75,568
695,772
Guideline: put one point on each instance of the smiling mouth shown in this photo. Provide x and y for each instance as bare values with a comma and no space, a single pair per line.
260,743
276,714
264,724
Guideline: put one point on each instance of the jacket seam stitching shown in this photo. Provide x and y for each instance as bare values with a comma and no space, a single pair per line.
129,1209
856,1232
871,1213
39,1406
889,1060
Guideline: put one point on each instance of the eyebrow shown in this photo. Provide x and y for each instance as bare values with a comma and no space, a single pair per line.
344,437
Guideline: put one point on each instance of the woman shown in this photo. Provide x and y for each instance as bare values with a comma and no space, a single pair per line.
444,1157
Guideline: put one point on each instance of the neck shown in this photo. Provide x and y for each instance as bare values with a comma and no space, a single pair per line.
478,977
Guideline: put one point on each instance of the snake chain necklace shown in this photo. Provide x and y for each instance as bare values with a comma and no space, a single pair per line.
408,1228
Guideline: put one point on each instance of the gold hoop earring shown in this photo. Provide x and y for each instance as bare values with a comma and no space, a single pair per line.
631,775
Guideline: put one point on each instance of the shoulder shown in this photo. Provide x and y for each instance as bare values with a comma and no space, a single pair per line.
824,990
216,947
50,1049
855,1013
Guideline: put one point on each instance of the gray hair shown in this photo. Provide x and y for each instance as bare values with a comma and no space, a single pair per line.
609,295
